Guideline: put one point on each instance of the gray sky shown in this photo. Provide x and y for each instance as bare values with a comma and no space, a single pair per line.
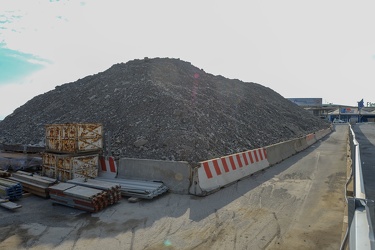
318,48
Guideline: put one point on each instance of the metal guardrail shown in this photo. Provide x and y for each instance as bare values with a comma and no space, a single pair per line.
361,221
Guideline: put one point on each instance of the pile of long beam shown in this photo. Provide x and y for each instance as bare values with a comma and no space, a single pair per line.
80,197
138,188
10,189
113,190
34,184
4,174
8,204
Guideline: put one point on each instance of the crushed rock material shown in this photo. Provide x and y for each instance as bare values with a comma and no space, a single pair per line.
165,109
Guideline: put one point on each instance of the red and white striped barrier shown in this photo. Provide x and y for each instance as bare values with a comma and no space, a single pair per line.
108,167
213,174
216,173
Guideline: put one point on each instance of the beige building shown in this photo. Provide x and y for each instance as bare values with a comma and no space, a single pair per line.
335,111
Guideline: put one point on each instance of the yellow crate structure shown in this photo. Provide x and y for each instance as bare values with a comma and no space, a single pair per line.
66,167
74,137
72,150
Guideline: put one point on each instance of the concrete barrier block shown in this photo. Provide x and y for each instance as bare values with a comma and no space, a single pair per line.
310,139
214,174
195,189
301,144
280,151
176,175
322,133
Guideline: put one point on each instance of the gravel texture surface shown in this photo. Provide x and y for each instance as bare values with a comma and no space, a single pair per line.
167,109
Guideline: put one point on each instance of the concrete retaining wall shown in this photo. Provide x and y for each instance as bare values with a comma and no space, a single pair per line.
176,175
213,174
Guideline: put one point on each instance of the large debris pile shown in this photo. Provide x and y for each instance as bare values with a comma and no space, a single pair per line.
165,109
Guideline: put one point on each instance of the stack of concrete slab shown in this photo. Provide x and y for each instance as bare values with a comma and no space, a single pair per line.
72,150
11,190
8,204
138,188
80,197
113,190
34,184
4,174
68,194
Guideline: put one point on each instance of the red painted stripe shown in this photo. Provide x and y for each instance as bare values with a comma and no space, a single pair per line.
207,170
232,162
217,168
245,158
112,165
260,153
265,153
102,164
239,160
225,165
256,155
251,157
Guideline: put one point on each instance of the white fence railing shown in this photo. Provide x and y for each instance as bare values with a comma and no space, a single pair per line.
360,231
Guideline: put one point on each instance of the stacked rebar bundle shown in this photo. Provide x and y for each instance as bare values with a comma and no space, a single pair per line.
138,188
113,190
10,189
34,184
80,197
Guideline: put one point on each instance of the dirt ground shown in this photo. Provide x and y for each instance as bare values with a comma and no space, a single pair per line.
297,204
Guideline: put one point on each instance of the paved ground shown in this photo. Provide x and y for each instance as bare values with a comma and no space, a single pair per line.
298,204
365,135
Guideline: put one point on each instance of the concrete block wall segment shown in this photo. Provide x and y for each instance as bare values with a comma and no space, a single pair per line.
216,173
195,189
300,144
213,174
176,175
322,133
310,139
280,151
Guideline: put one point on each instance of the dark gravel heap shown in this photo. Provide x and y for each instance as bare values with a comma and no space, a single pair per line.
165,109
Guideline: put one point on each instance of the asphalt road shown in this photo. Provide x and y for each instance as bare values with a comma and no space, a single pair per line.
297,204
365,135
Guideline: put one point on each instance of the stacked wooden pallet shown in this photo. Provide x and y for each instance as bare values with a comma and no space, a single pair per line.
34,184
80,197
11,190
